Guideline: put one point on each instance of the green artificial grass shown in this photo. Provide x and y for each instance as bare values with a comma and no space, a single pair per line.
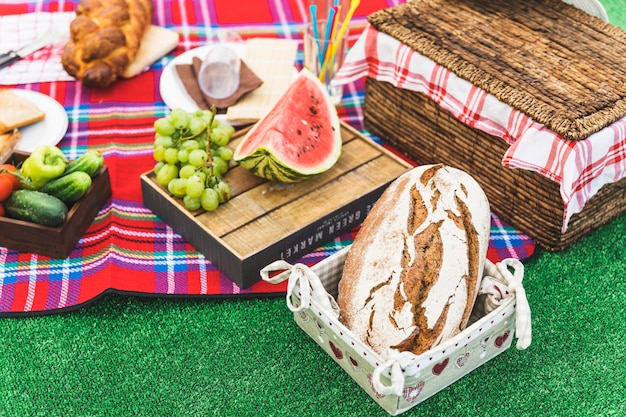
143,356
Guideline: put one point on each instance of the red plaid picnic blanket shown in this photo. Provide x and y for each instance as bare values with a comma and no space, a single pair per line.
127,248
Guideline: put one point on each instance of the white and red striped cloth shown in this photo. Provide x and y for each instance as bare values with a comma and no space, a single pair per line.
43,65
580,167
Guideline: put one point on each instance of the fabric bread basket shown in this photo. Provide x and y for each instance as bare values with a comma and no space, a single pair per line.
401,380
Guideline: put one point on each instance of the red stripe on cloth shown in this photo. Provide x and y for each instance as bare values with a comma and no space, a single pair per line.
176,13
94,285
18,297
437,83
56,6
518,122
139,89
368,7
558,154
371,51
125,176
194,285
262,287
473,106
41,297
251,12
616,155
8,9
140,281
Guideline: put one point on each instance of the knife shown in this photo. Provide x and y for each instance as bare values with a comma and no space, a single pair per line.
16,54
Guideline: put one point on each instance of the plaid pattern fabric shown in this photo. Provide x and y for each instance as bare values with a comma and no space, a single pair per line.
45,64
580,167
127,248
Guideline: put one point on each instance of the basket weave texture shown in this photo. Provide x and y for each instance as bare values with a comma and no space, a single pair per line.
550,60
426,133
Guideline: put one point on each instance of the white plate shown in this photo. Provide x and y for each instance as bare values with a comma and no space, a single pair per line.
48,131
171,88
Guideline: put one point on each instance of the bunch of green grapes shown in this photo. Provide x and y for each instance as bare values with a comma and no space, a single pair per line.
192,155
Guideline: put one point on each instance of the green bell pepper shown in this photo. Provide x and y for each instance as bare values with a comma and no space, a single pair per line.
43,165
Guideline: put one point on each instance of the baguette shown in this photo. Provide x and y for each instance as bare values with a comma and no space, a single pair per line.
412,274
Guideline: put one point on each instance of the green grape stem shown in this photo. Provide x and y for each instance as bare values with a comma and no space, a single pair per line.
209,160
179,136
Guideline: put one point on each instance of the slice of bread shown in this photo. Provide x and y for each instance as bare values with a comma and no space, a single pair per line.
15,111
7,143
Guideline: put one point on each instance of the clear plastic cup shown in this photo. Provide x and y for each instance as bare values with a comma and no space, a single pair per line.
219,74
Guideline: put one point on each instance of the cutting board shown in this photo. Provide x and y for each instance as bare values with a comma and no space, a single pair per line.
156,42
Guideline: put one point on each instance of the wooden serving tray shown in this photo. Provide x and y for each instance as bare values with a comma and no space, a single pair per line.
56,242
265,221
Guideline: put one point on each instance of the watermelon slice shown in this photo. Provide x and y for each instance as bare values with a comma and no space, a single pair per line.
298,138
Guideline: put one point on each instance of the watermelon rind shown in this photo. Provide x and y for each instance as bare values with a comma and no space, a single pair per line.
265,166
298,138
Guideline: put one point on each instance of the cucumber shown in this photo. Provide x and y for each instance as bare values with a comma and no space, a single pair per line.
36,207
89,162
69,188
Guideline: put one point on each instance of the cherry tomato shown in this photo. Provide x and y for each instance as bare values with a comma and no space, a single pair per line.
14,180
2,210
6,188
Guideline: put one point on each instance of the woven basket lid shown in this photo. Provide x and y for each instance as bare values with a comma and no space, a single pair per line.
555,62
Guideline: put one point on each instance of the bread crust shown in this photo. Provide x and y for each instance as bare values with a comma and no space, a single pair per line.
104,40
412,274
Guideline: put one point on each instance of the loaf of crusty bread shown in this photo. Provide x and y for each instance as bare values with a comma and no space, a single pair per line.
104,39
412,274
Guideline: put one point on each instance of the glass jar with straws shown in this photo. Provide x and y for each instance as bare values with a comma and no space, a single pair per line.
326,41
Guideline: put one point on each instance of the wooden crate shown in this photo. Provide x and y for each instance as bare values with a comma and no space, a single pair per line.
56,242
265,221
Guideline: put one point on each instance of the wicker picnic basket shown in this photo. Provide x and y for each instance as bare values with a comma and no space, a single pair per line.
571,79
